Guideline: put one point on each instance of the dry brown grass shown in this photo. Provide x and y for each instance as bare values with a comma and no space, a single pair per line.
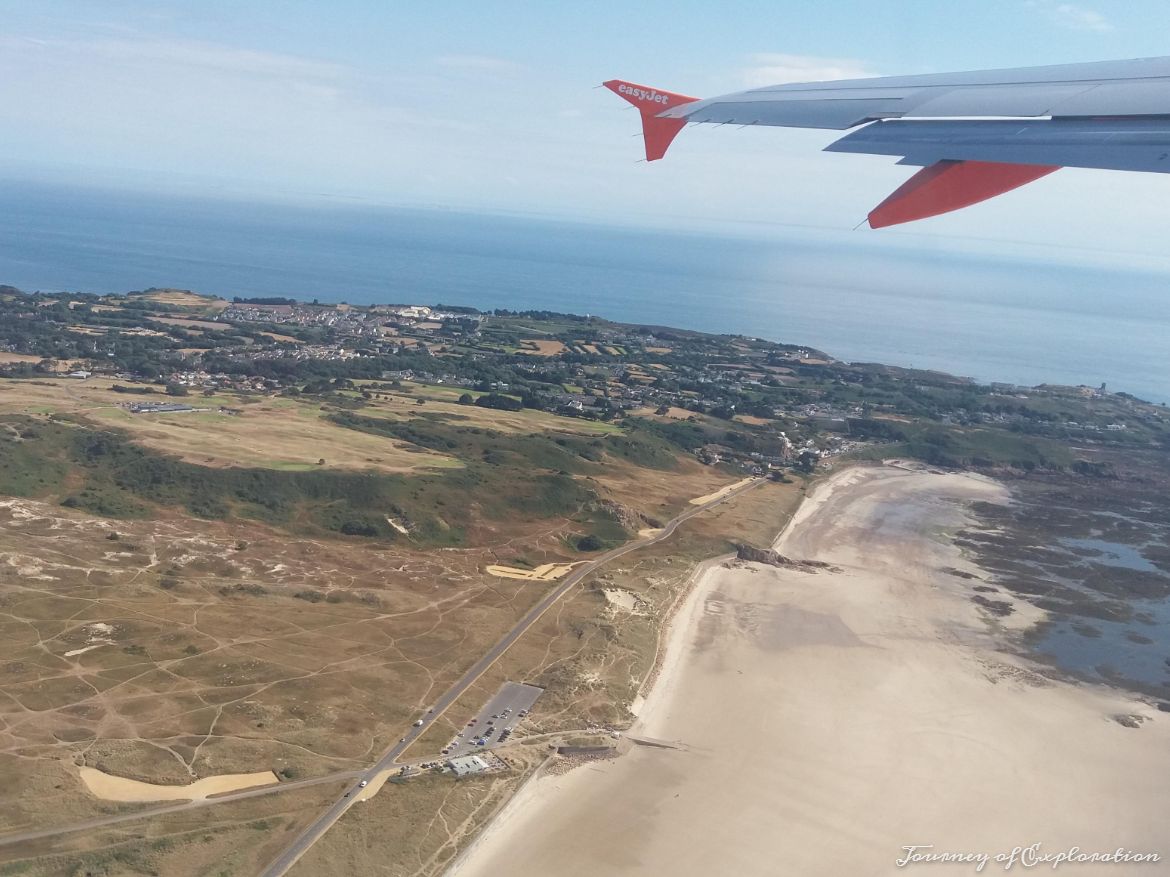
230,838
672,414
185,323
272,435
226,670
215,675
182,298
7,357
413,829
275,336
592,658
720,492
660,498
596,657
207,660
102,330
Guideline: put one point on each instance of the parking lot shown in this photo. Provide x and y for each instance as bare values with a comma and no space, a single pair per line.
495,722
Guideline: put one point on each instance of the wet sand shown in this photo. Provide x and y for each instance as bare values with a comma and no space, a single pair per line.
832,718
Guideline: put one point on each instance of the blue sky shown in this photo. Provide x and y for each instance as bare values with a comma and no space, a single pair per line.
491,106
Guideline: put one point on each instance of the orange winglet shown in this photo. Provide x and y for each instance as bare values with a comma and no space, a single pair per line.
658,133
949,185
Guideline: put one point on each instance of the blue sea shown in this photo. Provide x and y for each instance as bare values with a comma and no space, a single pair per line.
994,318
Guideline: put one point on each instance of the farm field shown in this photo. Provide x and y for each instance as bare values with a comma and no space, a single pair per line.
185,299
185,323
542,347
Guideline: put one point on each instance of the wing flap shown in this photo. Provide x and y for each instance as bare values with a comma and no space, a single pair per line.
951,185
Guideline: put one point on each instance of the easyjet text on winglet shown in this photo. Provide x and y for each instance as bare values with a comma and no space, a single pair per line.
641,94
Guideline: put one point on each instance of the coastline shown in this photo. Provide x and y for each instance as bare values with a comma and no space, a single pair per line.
887,711
536,791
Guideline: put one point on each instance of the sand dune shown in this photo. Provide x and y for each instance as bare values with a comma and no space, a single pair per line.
833,718
546,572
112,788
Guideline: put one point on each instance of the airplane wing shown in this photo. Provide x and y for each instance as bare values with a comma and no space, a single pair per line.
975,135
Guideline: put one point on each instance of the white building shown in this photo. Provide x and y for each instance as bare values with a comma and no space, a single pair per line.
468,765
415,312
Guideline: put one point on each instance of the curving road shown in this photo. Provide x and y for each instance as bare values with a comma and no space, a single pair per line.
325,821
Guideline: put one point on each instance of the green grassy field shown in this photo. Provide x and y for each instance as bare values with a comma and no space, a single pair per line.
444,399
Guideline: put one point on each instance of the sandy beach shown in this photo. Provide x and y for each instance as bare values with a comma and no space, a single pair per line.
829,719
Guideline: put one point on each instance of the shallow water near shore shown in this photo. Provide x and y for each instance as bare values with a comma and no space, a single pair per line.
1136,649
1102,576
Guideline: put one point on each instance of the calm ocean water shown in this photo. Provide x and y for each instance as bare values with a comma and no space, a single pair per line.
996,319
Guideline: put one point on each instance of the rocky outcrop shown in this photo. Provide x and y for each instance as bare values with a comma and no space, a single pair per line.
751,554
630,519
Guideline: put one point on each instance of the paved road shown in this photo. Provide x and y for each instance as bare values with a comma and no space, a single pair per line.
162,809
389,758
325,821
146,813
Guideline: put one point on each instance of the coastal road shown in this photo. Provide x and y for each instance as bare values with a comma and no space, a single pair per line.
326,820
148,812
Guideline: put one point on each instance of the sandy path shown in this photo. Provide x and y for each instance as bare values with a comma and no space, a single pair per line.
112,788
833,718
376,784
722,491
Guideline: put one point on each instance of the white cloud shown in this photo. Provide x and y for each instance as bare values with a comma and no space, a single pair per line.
1071,17
769,68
